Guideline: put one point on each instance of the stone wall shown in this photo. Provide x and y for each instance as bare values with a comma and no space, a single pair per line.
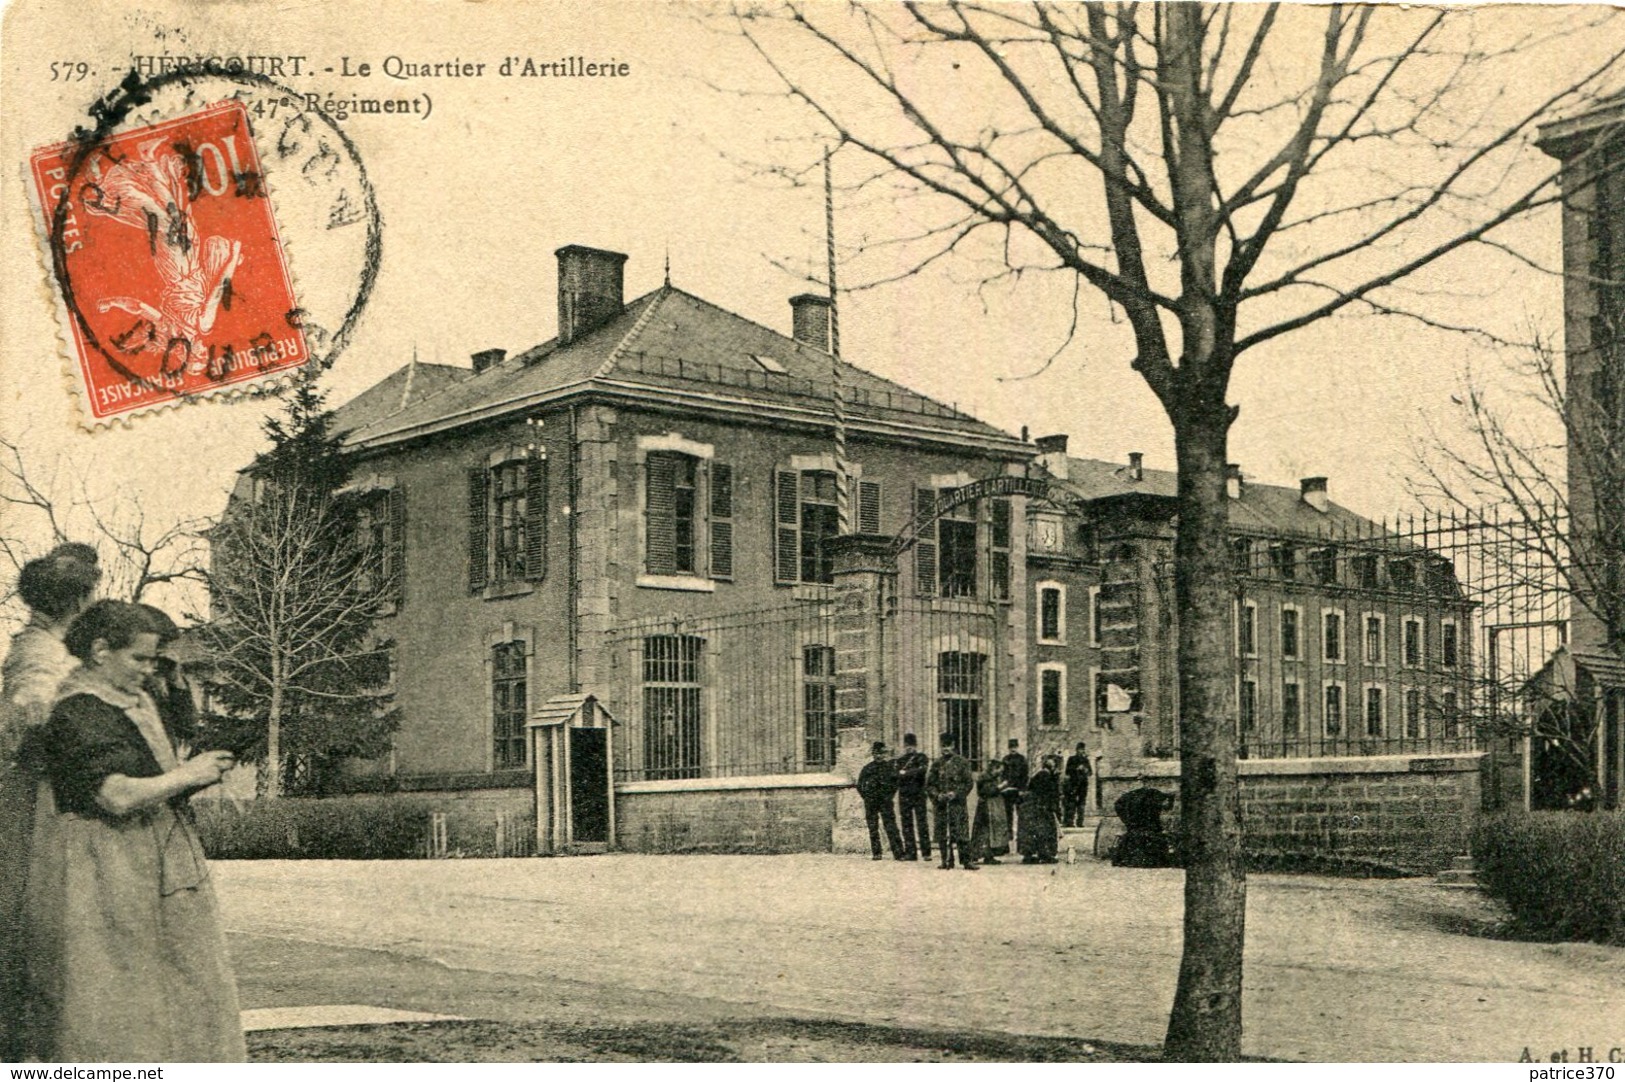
780,814
1388,811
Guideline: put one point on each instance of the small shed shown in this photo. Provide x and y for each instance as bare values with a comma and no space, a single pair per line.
572,747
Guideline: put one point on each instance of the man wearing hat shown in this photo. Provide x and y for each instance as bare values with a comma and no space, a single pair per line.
948,784
1075,796
877,785
911,768
1016,773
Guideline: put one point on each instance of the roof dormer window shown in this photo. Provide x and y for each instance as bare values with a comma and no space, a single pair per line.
768,363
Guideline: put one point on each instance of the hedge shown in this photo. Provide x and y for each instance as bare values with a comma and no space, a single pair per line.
1561,874
339,828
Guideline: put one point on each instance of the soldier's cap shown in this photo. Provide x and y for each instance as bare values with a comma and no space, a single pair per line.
1081,744
1014,743
947,741
879,747
908,740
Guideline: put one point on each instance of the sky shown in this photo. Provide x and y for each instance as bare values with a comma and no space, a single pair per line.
475,198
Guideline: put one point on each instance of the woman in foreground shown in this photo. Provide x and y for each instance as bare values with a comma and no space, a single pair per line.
126,958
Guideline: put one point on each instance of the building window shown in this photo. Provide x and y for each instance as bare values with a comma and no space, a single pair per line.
1375,652
1241,556
1052,695
381,538
807,513
1247,708
1450,715
687,514
507,520
1324,563
1449,646
508,495
1413,643
1247,629
999,549
1052,613
671,491
961,678
1413,714
672,719
956,544
1332,716
1365,570
1402,573
1097,624
1331,636
510,705
1376,698
1285,560
1291,708
820,518
818,702
1290,617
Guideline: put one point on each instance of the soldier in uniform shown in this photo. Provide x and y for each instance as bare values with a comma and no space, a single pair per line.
877,785
1075,795
948,783
911,768
1016,772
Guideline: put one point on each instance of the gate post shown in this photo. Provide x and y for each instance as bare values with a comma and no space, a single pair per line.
863,563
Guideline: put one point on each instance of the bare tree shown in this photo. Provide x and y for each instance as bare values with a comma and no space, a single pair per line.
1539,464
295,664
1224,175
137,553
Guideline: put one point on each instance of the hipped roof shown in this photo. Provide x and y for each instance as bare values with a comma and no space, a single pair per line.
688,351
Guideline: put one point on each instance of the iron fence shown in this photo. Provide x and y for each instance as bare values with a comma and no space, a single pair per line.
1409,636
757,692
737,694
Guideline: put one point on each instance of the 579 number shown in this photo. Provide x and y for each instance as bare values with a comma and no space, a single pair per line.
69,71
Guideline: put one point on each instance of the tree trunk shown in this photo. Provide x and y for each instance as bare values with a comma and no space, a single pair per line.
1205,1024
272,782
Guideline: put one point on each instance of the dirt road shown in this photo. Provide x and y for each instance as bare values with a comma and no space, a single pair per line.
1337,970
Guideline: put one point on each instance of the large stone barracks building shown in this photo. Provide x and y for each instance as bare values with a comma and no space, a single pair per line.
628,604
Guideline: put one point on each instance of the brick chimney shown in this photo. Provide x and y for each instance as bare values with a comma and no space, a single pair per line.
1314,493
809,320
1136,466
486,358
591,290
1052,454
1232,481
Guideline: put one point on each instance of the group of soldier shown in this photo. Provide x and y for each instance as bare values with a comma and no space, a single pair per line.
1009,793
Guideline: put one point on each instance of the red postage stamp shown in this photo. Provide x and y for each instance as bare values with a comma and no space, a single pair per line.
168,262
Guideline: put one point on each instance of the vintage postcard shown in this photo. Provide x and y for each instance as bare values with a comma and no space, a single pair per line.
538,531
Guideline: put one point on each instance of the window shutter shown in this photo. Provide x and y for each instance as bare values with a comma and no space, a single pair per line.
869,507
660,515
722,527
536,518
999,556
925,548
786,531
479,528
397,544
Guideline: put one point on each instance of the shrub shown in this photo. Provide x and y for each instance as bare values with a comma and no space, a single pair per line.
1562,874
338,828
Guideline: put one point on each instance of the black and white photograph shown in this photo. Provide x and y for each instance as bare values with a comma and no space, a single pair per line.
536,532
